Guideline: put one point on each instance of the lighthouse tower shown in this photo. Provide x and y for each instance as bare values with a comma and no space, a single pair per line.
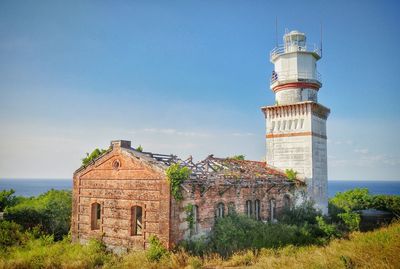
296,124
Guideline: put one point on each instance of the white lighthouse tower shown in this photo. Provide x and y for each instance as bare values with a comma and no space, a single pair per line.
296,124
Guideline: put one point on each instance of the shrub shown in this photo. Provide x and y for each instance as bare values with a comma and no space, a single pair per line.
291,174
329,231
7,198
238,232
156,250
351,220
10,234
300,213
51,211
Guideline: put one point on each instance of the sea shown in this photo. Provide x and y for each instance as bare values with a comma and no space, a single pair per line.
34,187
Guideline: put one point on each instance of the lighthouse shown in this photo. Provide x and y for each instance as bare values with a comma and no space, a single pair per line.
296,124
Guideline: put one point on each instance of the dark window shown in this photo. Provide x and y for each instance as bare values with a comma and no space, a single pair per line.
272,206
220,210
195,213
136,220
231,208
96,216
286,201
257,209
249,208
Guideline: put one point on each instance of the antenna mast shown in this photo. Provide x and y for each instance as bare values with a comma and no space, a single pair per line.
276,31
321,38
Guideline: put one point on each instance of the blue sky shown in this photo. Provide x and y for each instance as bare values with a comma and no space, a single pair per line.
189,77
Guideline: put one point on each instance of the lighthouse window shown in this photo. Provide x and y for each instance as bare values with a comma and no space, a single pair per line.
279,125
273,126
284,125
295,124
290,125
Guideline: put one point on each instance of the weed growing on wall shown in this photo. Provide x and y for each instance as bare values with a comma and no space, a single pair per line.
176,175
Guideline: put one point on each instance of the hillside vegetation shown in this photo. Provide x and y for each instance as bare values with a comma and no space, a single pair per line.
377,249
34,234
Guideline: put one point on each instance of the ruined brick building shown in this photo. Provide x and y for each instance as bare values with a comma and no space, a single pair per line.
124,196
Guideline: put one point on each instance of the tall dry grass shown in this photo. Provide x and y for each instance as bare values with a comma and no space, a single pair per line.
377,249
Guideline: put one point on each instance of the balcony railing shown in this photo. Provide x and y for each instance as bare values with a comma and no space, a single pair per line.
297,76
281,49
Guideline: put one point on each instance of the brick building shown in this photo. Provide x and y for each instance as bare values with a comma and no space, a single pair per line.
124,196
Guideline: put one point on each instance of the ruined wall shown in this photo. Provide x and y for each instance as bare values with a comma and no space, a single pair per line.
117,182
208,201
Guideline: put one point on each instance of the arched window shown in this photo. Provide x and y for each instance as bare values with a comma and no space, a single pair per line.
231,208
249,208
195,213
95,216
286,202
257,209
272,206
136,220
220,210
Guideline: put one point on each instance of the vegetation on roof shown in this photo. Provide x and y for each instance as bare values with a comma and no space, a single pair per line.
90,157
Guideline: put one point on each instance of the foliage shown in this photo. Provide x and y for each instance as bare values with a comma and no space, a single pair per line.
176,175
189,215
300,213
291,174
90,157
389,203
240,157
139,148
7,198
348,201
10,234
377,249
238,232
343,206
329,231
351,220
156,250
51,211
45,253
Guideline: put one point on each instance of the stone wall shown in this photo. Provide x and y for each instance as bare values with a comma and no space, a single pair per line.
208,201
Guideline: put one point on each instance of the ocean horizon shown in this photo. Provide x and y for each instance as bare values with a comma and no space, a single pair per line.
34,187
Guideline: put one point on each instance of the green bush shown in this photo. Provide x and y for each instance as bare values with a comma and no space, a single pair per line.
156,250
329,231
43,252
300,213
238,232
351,220
10,234
51,211
348,201
343,206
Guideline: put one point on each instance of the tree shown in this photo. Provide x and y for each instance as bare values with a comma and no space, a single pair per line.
7,198
51,211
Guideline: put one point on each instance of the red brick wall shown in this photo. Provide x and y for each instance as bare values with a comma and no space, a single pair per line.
207,205
117,190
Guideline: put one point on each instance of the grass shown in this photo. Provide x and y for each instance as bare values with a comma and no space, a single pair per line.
377,249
